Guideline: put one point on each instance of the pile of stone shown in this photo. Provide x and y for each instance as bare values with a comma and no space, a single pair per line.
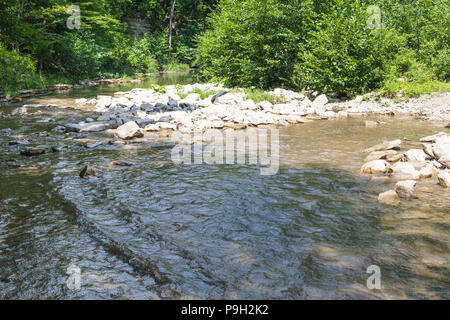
152,111
433,160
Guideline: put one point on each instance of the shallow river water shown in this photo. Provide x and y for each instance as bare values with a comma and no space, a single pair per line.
162,230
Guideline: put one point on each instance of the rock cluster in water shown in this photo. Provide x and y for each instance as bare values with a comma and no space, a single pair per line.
410,166
153,111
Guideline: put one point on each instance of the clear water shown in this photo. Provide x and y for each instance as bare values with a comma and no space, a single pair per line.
157,230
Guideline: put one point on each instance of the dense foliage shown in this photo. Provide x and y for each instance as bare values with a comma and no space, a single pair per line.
326,45
115,37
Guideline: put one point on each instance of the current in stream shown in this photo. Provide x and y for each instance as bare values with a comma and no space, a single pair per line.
160,230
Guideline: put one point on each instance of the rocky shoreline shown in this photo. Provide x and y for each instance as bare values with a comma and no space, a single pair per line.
407,168
23,94
199,107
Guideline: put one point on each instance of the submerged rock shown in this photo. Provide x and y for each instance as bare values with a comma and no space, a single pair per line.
386,145
371,124
89,172
120,163
388,197
377,155
31,152
405,189
96,126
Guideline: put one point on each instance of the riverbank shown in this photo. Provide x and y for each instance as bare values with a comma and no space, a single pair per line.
198,107
51,88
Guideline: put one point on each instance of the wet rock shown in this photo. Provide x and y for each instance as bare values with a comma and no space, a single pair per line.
376,166
397,157
441,150
95,126
129,131
404,171
93,144
19,111
445,161
405,189
59,129
89,172
120,163
386,145
428,149
144,122
116,141
377,155
371,124
434,137
103,102
427,171
19,141
31,152
444,179
389,197
416,155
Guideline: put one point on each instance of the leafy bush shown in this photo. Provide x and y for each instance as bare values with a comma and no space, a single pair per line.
17,72
252,42
340,53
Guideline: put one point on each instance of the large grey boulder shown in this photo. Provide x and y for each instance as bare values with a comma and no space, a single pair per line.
405,189
389,197
95,126
319,103
376,166
129,131
404,170
416,155
103,102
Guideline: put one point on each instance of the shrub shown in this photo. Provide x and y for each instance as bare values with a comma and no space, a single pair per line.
17,72
252,42
340,53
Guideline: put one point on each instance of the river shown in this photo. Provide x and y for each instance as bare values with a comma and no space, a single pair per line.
159,230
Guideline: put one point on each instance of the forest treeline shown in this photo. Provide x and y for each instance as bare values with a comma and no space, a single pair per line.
340,46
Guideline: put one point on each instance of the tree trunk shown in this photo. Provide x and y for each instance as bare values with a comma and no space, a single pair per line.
172,10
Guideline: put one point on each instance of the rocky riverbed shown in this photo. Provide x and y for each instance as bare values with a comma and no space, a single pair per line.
407,168
199,107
